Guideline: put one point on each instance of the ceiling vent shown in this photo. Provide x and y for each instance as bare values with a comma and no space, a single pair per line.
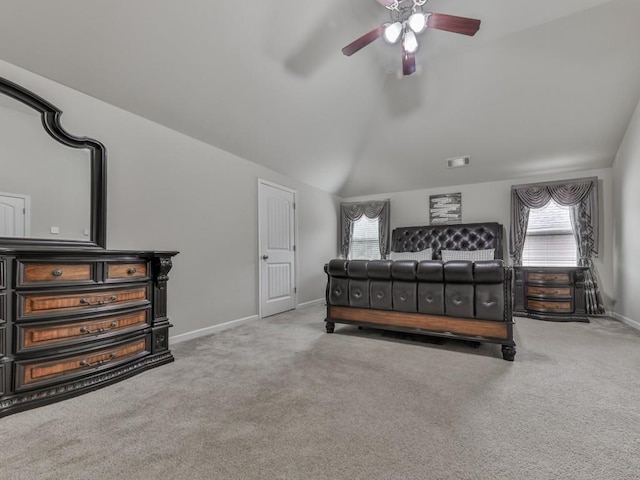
458,162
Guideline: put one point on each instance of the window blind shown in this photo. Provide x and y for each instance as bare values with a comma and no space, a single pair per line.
365,244
549,240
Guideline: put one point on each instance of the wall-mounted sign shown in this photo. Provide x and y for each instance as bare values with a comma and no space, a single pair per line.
445,209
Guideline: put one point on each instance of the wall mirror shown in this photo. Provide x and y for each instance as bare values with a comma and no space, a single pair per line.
52,184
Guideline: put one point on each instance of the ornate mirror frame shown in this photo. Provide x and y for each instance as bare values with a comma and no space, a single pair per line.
51,122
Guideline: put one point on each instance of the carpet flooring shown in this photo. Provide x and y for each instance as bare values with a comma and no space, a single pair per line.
281,399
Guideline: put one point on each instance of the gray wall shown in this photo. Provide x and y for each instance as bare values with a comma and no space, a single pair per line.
164,190
626,208
490,202
167,191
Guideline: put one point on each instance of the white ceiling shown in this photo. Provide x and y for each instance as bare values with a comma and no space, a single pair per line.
542,87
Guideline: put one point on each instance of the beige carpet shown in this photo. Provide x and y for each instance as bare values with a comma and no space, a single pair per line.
281,399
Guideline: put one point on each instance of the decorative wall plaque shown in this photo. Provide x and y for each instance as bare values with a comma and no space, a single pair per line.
445,209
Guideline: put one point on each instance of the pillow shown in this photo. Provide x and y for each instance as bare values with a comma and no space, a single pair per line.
472,255
426,254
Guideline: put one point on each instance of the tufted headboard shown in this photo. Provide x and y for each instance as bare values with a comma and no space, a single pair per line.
463,236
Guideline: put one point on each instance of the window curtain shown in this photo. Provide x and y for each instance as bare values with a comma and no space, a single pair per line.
354,211
582,195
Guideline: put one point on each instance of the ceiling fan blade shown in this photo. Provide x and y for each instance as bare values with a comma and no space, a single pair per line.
363,41
408,63
386,3
451,23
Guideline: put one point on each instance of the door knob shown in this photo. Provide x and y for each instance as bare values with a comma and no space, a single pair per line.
265,257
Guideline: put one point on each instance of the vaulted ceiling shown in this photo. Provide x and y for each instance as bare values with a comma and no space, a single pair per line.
543,86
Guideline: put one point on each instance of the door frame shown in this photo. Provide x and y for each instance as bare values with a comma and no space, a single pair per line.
295,241
27,210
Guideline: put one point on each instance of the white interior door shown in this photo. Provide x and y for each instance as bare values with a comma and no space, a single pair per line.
277,248
13,215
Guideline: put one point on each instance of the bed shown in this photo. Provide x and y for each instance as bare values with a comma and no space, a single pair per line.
453,291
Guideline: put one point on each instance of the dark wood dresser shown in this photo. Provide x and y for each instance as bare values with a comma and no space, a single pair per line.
74,320
74,316
550,293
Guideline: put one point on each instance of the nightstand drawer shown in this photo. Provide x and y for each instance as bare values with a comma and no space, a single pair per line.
549,306
39,303
34,373
555,292
549,277
127,271
54,335
30,273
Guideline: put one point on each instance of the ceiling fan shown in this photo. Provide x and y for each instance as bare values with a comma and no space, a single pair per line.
407,20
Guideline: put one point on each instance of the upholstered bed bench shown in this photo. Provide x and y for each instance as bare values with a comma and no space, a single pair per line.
464,299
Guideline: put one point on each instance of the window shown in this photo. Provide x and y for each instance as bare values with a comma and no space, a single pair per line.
364,229
549,240
364,243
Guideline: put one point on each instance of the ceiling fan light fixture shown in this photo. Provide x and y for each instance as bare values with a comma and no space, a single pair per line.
410,42
417,22
392,32
408,20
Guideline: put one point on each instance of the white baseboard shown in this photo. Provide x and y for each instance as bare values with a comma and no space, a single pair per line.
183,337
632,323
312,302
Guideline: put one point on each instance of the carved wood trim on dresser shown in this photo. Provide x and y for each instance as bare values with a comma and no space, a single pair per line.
550,293
72,321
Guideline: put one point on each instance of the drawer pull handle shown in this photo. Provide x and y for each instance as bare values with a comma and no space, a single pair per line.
132,270
87,363
99,330
111,299
57,273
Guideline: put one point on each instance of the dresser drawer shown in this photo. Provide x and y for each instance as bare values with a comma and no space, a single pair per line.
34,373
41,273
54,335
3,342
35,304
3,308
127,271
550,306
549,277
3,273
4,371
555,292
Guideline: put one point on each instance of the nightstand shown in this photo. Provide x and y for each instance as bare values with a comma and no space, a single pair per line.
550,293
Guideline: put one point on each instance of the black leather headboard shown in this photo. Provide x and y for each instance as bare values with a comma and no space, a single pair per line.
463,236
